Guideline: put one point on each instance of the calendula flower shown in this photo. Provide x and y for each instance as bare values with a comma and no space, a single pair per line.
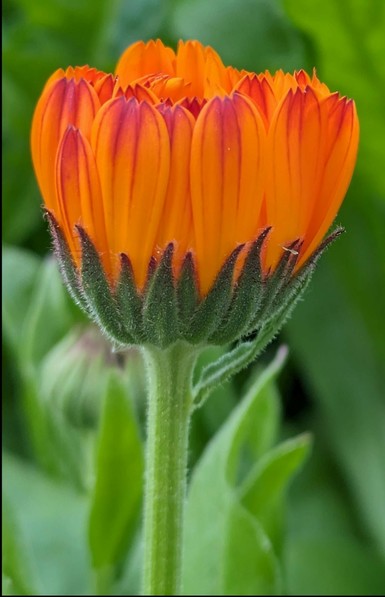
186,197
188,203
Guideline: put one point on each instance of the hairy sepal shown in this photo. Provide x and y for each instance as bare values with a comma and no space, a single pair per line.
209,312
98,293
160,320
169,309
247,296
67,266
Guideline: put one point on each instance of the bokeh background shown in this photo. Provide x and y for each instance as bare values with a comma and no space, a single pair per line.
56,368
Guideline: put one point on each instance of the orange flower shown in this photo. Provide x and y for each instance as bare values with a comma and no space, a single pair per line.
176,147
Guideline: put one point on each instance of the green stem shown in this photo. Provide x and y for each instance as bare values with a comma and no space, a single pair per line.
168,417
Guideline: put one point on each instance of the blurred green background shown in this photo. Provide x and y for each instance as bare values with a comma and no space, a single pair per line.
58,371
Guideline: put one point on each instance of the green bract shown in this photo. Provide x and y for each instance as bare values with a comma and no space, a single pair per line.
169,310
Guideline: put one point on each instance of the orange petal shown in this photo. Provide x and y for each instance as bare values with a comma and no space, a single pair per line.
339,158
216,75
166,87
176,222
104,87
226,180
194,105
60,73
190,66
280,83
294,156
62,103
132,151
259,90
142,59
234,76
79,195
302,78
307,174
202,68
141,93
103,83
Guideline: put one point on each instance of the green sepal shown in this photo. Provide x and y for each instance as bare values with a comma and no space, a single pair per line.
169,309
160,319
246,351
247,297
187,293
313,259
296,284
275,282
211,309
96,288
130,302
67,267
151,268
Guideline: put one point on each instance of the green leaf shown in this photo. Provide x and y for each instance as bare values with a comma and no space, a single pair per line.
208,419
264,489
249,564
270,474
15,564
325,552
232,551
52,522
18,279
116,496
49,302
243,354
333,566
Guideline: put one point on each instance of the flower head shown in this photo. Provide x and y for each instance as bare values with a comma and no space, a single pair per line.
178,159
